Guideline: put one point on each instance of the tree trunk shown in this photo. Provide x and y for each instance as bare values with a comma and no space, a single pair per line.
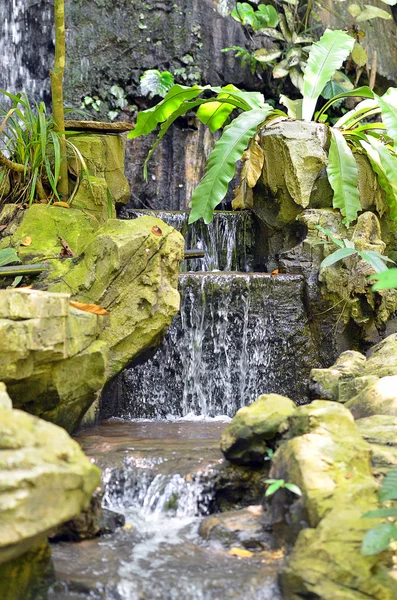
57,92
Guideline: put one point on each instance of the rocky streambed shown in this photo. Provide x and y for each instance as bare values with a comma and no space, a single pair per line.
166,478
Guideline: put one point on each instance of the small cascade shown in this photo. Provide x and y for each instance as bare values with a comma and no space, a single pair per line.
228,241
25,43
237,336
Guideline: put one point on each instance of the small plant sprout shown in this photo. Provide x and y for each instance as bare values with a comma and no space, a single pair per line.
277,484
347,248
379,537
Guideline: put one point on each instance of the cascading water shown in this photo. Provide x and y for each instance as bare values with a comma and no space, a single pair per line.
26,43
161,477
237,336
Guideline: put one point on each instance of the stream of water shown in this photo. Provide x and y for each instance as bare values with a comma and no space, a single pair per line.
161,477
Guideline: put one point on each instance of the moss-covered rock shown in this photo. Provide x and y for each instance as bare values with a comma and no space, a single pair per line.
382,360
381,432
50,357
45,479
244,441
326,383
327,458
26,577
326,563
131,269
378,398
104,156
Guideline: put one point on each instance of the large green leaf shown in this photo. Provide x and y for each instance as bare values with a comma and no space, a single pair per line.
326,56
337,256
385,166
387,280
381,513
250,99
148,119
378,538
221,164
389,118
343,176
214,114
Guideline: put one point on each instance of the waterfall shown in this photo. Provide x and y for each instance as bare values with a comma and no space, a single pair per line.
237,336
26,41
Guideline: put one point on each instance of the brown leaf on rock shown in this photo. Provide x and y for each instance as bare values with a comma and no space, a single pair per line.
253,159
91,308
2,227
62,204
243,197
66,251
275,272
27,241
156,230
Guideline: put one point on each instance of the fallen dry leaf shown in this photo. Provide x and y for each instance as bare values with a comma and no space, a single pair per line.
62,204
91,308
156,230
240,552
27,241
275,272
2,227
66,251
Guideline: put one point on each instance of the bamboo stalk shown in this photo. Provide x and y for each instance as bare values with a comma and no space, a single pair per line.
57,75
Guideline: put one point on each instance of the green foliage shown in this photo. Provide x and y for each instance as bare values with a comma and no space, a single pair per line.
277,484
265,16
387,280
347,248
326,56
379,537
342,173
8,256
29,139
221,164
156,83
246,57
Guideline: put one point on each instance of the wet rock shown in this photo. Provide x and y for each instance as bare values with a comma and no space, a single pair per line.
379,398
5,400
92,522
327,458
381,432
45,480
245,528
244,441
326,563
326,383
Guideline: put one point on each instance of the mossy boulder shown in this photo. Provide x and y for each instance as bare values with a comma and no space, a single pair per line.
50,357
27,577
326,563
381,432
326,383
245,440
382,359
378,398
327,458
105,157
45,480
131,269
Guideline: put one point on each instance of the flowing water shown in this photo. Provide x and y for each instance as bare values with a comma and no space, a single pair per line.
26,41
161,477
